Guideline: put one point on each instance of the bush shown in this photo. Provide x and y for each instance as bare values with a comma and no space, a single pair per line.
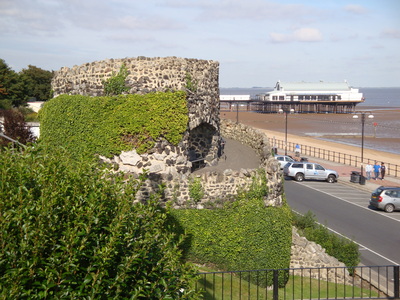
69,229
244,235
339,247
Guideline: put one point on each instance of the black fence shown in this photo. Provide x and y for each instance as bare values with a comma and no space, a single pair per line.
334,156
364,282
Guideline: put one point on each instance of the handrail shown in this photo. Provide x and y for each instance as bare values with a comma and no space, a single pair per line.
335,156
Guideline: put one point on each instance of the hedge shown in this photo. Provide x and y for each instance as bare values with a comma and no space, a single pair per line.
109,125
245,235
69,229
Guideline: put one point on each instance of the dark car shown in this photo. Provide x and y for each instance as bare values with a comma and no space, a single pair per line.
386,198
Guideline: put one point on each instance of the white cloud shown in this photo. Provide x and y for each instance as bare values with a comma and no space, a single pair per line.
355,9
298,35
391,33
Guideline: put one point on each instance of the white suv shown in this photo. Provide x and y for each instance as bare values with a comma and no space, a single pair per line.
283,160
306,170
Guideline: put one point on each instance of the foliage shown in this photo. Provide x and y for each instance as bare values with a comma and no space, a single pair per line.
69,229
11,88
339,247
115,85
196,191
15,127
244,235
109,125
191,84
37,83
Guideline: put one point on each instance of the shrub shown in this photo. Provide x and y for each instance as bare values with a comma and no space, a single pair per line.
339,247
69,229
115,85
15,128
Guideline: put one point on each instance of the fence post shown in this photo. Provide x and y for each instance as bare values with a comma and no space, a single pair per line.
276,285
396,277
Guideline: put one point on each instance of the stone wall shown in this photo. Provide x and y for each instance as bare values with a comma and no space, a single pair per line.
199,78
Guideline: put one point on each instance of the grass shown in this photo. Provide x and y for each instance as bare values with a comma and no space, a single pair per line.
234,286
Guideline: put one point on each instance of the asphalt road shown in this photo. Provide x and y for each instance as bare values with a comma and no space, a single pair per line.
345,210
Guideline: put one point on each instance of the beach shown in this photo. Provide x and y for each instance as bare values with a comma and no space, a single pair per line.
335,132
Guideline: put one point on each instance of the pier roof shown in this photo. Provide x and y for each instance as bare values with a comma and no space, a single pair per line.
312,86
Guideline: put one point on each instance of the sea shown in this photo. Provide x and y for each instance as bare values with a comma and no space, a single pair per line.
384,128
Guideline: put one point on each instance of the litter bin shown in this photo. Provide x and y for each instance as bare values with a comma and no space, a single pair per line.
355,177
362,180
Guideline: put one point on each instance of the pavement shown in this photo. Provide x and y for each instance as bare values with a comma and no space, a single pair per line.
238,156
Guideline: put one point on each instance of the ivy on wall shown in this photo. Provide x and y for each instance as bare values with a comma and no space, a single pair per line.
109,125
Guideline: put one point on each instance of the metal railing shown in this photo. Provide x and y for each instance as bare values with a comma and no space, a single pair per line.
335,156
365,282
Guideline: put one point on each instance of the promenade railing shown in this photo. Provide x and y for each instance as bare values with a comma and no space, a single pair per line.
335,156
366,282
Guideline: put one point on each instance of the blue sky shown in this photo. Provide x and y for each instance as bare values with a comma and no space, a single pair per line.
256,42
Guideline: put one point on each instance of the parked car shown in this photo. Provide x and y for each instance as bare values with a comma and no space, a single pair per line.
283,159
305,170
386,198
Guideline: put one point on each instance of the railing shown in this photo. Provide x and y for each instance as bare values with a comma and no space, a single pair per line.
335,156
366,282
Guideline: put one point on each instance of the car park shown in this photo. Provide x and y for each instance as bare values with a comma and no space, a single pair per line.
386,198
283,159
306,170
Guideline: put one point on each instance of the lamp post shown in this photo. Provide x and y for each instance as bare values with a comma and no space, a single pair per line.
286,118
355,116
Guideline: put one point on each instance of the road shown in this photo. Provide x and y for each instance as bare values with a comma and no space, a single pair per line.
344,209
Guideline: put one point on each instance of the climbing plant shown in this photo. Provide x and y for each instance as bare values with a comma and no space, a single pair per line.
115,85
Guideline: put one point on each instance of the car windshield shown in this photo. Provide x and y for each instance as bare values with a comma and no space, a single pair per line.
378,191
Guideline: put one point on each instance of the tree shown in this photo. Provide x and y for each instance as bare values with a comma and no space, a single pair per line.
37,83
11,89
15,127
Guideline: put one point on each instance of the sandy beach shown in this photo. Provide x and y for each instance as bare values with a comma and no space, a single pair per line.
314,129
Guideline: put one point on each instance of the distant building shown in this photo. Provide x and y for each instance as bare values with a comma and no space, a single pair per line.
313,92
235,97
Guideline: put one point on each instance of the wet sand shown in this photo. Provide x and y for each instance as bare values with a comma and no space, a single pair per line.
327,130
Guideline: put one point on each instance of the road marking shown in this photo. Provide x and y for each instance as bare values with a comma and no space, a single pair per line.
359,245
350,202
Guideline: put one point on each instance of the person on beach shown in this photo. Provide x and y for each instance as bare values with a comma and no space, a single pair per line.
377,168
297,151
368,170
383,170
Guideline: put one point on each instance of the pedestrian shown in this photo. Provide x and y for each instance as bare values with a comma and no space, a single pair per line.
376,170
297,151
383,170
368,170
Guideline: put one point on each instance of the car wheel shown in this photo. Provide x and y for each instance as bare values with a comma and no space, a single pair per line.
299,177
389,208
331,178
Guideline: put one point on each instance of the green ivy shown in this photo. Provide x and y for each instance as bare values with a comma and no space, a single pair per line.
109,125
244,235
196,191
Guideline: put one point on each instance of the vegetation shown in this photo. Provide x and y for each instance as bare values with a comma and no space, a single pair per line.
69,229
115,85
17,88
196,191
15,128
339,247
109,125
244,235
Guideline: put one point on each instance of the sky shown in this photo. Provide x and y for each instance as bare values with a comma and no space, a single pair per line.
256,42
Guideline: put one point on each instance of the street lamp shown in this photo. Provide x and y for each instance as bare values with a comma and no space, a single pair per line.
355,116
281,111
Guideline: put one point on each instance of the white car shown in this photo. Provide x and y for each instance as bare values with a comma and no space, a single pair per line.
305,170
283,159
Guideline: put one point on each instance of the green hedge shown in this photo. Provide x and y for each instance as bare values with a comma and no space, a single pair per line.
109,125
69,229
245,235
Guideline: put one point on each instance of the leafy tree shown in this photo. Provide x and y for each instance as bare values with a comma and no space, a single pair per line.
37,83
15,127
69,229
11,87
115,85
